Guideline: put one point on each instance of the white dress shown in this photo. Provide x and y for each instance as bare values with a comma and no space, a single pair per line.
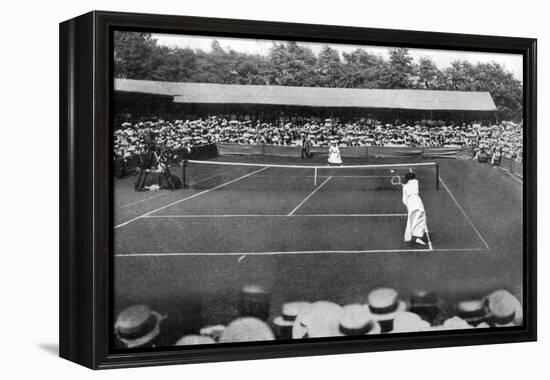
416,220
334,155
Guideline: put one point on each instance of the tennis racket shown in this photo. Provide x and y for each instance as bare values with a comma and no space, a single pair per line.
395,179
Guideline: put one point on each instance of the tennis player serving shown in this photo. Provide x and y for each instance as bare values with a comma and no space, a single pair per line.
416,215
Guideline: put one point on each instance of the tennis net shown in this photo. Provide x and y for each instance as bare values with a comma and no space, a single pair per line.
378,176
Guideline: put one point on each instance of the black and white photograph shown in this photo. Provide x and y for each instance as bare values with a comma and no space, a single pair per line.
291,190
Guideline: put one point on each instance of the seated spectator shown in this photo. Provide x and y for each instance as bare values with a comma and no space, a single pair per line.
505,139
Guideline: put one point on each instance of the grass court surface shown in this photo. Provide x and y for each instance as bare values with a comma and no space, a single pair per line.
235,225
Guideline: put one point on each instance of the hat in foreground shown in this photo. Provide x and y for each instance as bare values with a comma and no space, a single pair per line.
283,324
473,311
190,340
505,309
320,319
358,320
384,304
247,329
137,326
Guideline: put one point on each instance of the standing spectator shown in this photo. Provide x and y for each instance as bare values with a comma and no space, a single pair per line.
306,147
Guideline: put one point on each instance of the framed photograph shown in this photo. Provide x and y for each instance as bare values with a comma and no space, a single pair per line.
236,189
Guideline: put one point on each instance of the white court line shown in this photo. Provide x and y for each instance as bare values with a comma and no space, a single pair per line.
272,215
240,254
309,196
187,198
321,176
167,192
143,200
215,175
429,240
464,213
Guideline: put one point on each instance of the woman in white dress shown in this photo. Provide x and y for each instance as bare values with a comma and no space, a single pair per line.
334,154
416,220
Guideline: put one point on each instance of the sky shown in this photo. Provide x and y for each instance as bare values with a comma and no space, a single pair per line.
442,58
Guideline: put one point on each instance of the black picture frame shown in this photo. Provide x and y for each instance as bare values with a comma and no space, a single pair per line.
86,202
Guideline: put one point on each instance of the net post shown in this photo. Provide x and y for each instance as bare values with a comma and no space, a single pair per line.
437,176
183,166
315,178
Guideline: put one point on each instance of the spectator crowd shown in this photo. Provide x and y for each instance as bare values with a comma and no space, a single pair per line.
503,139
385,311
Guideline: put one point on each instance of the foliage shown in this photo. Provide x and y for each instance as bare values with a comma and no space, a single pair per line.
138,56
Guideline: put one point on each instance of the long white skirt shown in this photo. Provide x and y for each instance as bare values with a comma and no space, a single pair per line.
334,158
416,220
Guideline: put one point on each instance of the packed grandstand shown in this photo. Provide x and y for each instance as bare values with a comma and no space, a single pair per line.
504,138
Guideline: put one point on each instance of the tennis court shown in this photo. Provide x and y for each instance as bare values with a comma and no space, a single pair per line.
243,209
236,225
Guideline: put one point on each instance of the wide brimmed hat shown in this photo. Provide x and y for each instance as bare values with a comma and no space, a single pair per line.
473,311
247,329
504,308
358,320
191,340
137,325
320,319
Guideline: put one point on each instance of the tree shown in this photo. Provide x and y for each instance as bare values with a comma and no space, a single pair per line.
215,66
362,70
138,56
291,65
507,92
174,64
427,73
329,67
460,76
133,55
400,70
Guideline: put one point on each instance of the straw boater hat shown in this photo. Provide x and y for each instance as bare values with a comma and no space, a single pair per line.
473,311
483,325
320,319
505,309
455,323
191,340
255,302
247,329
357,320
409,322
384,304
137,325
283,324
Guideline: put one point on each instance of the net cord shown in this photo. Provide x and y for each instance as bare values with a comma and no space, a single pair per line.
316,167
411,165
